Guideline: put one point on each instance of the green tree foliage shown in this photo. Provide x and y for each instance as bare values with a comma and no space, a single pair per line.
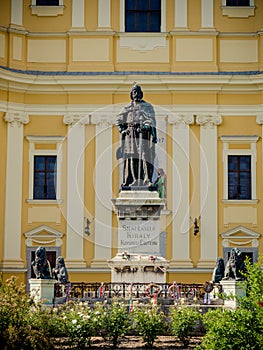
183,322
148,322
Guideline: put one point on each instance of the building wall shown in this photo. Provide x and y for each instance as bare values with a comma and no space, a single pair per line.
64,76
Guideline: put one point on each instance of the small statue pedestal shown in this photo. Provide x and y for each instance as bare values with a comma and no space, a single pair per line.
42,290
234,288
139,258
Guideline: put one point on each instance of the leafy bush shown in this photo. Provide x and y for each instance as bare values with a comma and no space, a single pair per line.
18,329
238,329
79,323
148,322
254,283
183,322
112,321
241,328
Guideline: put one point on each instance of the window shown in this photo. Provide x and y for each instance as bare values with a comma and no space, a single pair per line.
237,2
47,8
47,2
239,177
45,159
45,176
238,8
239,168
143,15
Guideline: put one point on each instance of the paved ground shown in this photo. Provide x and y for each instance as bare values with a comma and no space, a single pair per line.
135,342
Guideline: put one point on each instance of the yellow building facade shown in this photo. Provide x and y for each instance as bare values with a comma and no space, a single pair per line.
66,70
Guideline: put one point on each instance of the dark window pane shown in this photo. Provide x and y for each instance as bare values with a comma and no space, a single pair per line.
237,2
155,4
47,2
45,172
239,177
130,5
142,21
142,5
130,22
155,22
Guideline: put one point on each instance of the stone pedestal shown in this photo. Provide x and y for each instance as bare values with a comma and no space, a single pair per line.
135,268
139,243
234,288
42,290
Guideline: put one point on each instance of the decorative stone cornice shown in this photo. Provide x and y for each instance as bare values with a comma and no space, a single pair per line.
181,119
209,121
17,117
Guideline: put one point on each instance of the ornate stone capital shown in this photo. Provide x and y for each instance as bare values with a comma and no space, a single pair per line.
17,117
259,119
103,120
74,118
181,119
209,121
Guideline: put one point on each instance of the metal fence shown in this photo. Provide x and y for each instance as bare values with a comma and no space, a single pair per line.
83,290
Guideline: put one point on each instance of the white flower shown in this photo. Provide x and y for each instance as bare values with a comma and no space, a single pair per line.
74,321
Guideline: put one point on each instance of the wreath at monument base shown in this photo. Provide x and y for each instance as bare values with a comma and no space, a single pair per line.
174,290
152,290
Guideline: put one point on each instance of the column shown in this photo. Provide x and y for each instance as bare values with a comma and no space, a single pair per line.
181,190
16,13
78,10
104,14
75,191
180,14
13,192
208,190
207,14
103,190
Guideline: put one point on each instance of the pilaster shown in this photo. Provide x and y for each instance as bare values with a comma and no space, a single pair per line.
75,191
207,14
208,189
103,189
78,11
104,14
17,14
13,194
181,190
180,14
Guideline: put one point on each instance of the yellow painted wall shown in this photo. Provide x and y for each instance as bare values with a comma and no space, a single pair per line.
238,25
5,12
57,24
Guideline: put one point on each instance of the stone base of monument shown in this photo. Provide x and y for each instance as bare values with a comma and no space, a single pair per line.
141,245
235,289
42,290
138,268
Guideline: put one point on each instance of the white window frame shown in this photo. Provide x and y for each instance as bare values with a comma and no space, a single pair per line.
250,140
163,17
36,140
238,11
43,11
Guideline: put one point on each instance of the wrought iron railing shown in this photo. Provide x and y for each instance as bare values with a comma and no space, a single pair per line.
84,290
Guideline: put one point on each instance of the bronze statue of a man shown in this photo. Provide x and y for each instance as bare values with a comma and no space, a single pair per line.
137,125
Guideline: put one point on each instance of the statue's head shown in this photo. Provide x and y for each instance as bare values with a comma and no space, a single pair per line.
220,263
60,261
136,93
41,252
